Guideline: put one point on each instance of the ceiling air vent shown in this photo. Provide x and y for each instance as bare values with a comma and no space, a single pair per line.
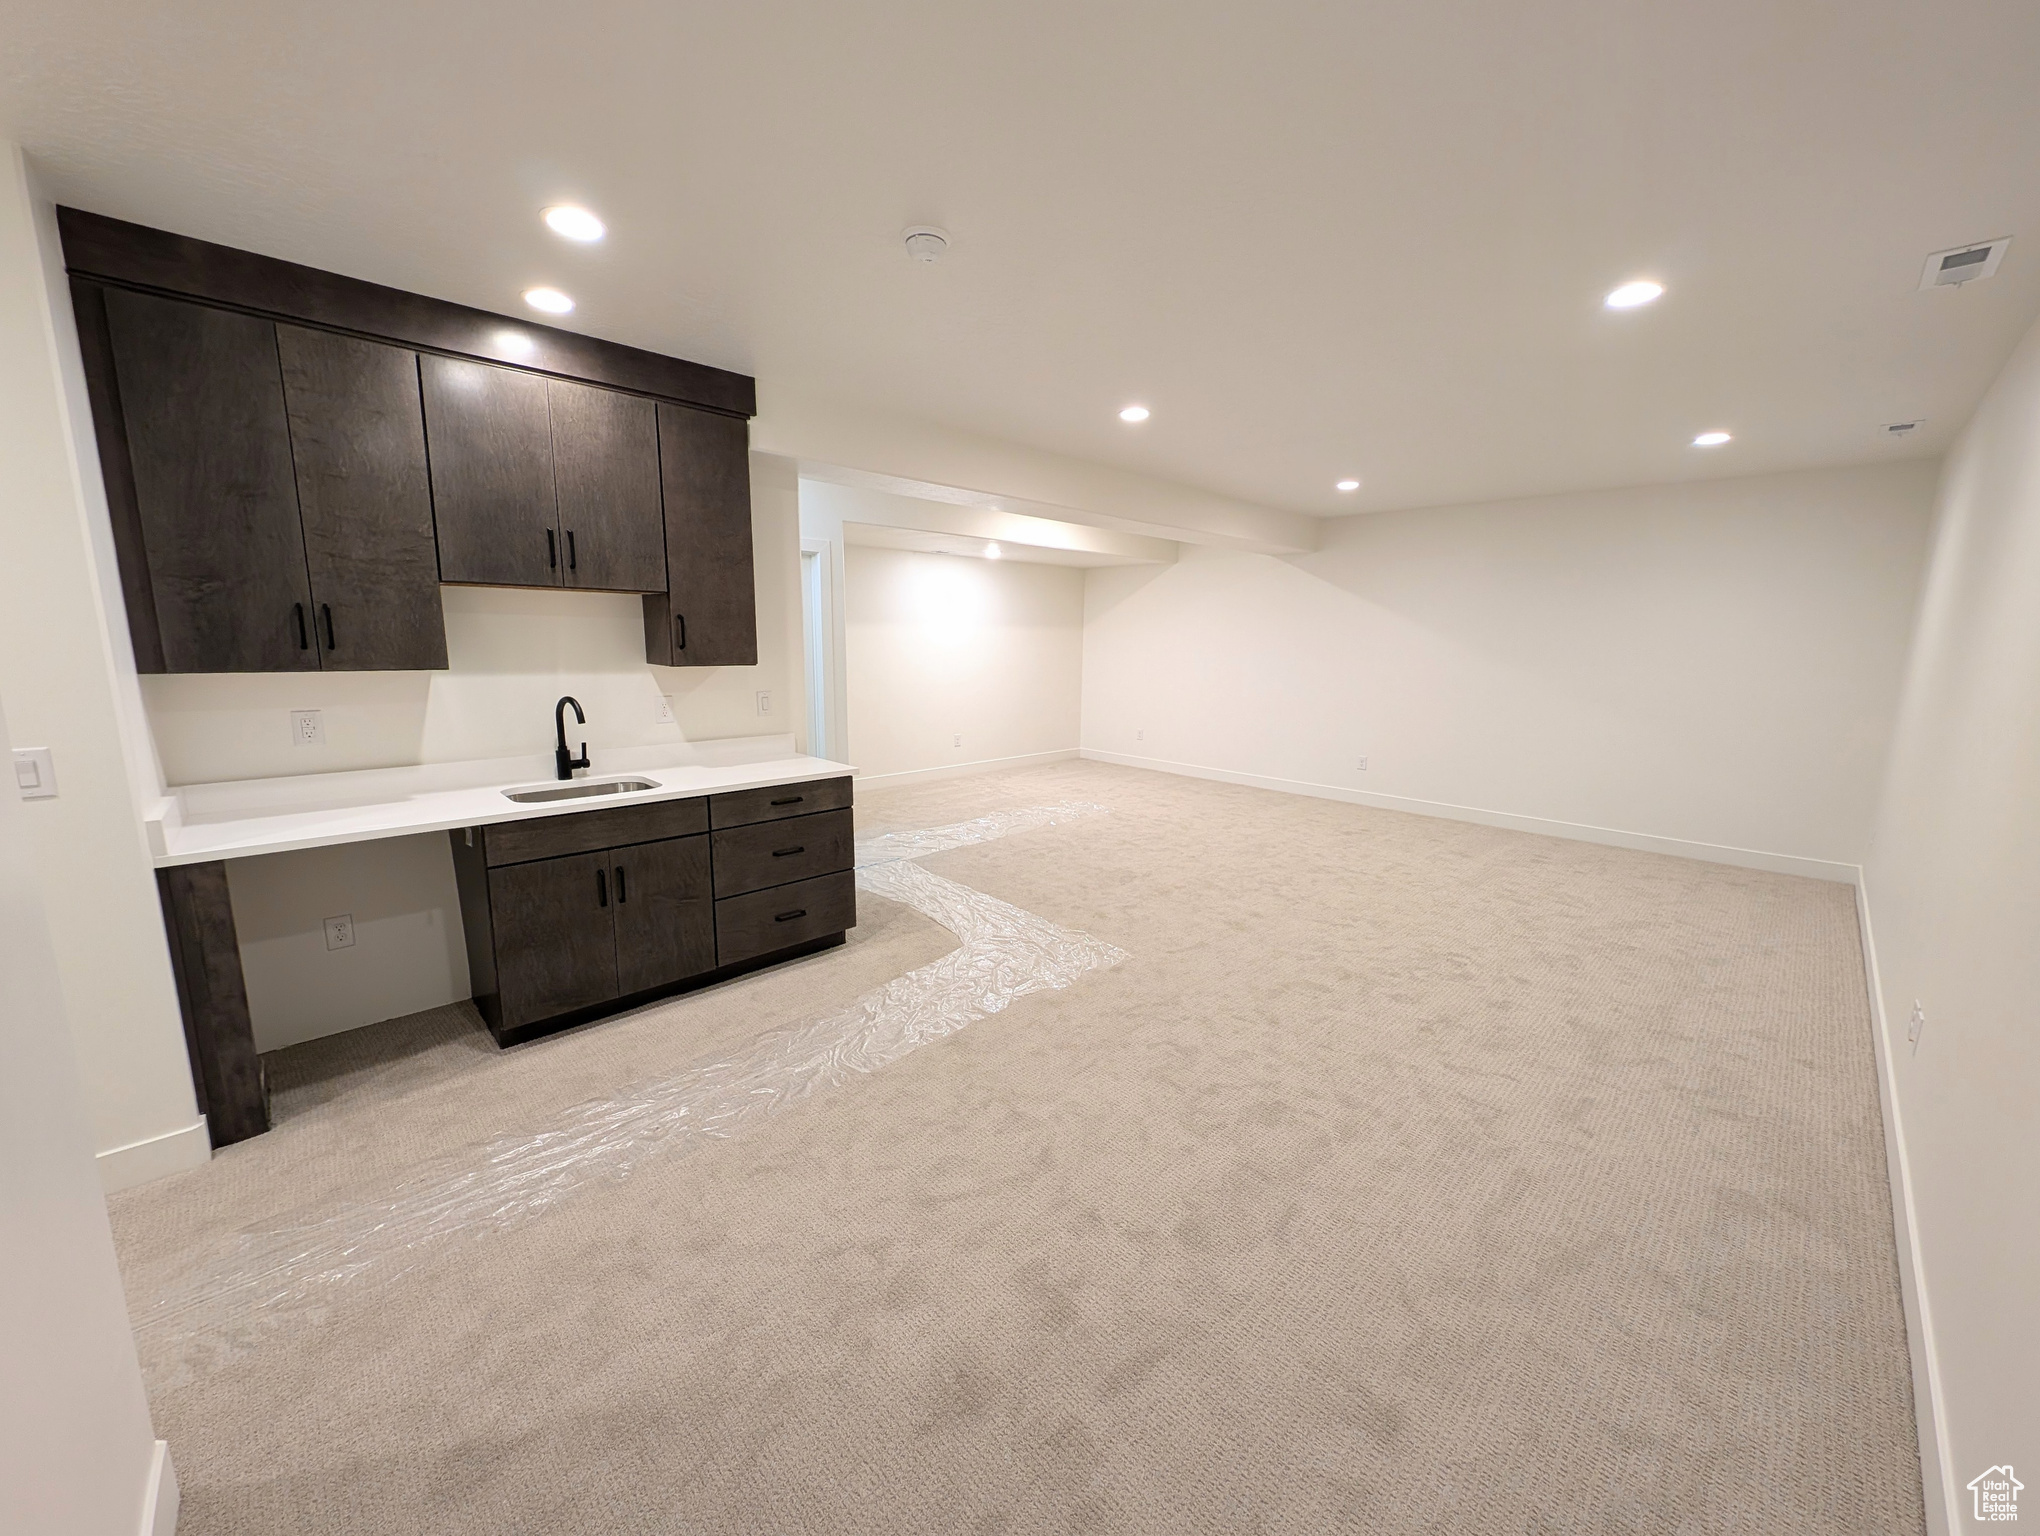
1893,431
1963,264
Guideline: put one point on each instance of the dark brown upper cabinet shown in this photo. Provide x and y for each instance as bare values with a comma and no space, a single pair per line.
214,515
357,439
542,482
490,436
708,614
606,468
269,484
293,459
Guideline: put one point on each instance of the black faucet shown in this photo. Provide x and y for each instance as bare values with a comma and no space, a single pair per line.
566,760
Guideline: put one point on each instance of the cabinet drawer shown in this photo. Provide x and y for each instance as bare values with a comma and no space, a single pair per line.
749,926
781,852
515,842
742,807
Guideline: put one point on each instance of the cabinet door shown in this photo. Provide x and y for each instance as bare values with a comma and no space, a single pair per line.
606,465
357,437
665,917
203,402
708,617
490,440
555,936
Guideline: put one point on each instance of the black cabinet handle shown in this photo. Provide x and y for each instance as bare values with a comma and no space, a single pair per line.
572,563
326,611
601,887
787,917
552,550
680,631
304,641
780,853
621,898
796,800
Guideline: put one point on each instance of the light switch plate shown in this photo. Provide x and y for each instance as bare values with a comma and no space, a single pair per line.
35,775
764,701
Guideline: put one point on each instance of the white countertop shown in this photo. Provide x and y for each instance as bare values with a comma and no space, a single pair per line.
247,817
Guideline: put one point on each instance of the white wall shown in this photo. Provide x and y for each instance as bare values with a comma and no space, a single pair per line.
1699,666
77,1454
511,654
939,647
1952,887
67,683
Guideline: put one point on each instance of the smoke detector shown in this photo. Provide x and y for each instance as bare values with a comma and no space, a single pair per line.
1963,264
1893,431
925,243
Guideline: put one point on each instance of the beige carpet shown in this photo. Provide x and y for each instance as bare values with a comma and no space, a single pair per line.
1408,1176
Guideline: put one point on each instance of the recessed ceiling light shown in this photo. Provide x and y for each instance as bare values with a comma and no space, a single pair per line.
992,551
925,242
1348,485
1134,413
551,300
1635,295
575,223
1710,439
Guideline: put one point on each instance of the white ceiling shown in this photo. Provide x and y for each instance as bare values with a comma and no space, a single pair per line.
883,536
1316,239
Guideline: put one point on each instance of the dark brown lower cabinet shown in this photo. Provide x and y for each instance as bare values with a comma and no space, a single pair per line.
555,937
574,915
665,920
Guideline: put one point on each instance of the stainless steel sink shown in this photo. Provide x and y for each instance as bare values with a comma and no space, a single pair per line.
580,789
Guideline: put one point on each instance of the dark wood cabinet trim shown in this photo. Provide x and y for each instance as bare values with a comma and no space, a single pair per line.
117,472
135,256
205,958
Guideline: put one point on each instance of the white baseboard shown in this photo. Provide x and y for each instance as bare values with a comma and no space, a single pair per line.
1942,1489
958,770
154,1156
159,1504
1647,842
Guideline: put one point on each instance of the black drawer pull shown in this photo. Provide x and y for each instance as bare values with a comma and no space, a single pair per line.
326,610
552,551
780,853
796,800
601,887
621,898
679,631
787,917
573,564
303,643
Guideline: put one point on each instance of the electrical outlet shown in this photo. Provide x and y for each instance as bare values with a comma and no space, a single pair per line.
666,709
307,728
959,741
1363,765
34,774
1140,735
764,701
1918,1024
340,931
